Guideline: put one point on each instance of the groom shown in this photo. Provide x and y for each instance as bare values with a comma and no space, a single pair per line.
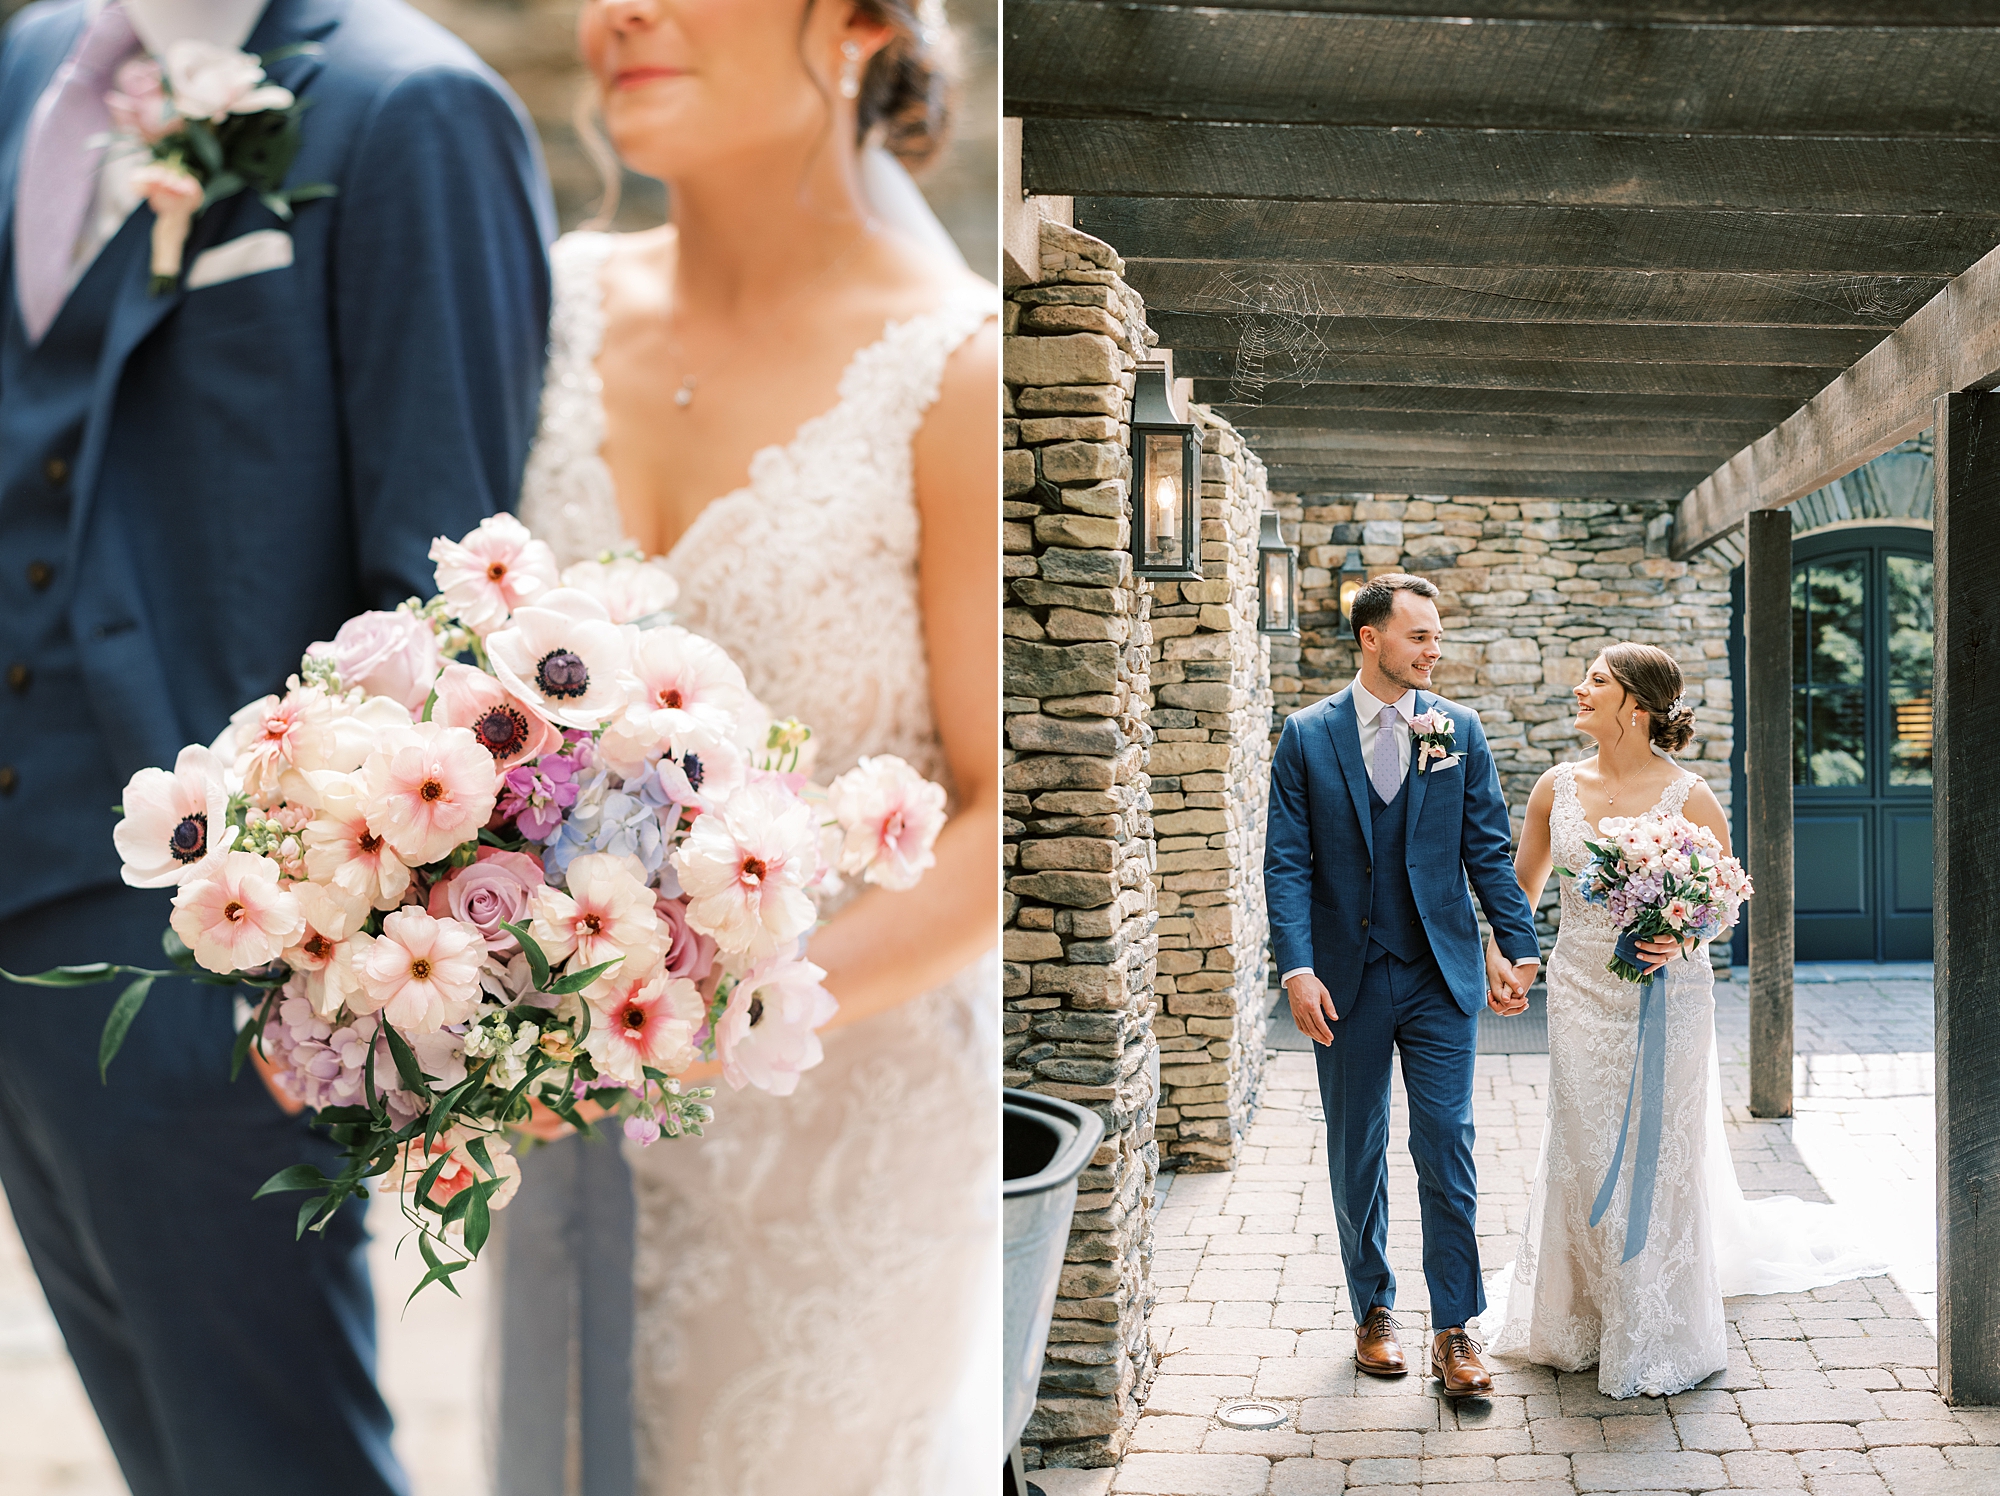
195,484
1377,819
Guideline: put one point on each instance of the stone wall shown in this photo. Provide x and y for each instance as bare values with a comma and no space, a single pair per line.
1209,768
1532,589
1081,941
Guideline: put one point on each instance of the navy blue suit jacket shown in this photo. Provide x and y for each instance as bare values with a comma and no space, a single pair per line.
1319,853
267,456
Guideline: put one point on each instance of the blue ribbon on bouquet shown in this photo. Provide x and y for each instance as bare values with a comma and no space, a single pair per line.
1649,1084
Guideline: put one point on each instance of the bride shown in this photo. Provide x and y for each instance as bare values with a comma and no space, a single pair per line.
1654,1324
794,405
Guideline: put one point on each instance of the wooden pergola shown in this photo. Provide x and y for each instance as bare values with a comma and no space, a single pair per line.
1714,252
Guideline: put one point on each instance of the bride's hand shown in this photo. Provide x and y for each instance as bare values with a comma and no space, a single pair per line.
1506,993
1660,950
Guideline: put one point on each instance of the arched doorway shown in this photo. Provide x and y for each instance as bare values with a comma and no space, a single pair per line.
1861,743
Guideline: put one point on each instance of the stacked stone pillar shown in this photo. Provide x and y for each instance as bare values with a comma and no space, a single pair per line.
1081,940
1209,768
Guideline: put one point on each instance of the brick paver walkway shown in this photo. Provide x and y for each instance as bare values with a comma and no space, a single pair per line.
1830,1392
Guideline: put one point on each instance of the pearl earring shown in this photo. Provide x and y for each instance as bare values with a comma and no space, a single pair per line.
850,70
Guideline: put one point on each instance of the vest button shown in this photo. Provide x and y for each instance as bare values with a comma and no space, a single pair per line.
1364,924
40,574
56,470
9,779
19,675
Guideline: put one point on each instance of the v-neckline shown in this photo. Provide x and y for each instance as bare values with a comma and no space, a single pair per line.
1577,796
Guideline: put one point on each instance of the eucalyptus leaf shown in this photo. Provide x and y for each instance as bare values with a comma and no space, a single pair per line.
117,1021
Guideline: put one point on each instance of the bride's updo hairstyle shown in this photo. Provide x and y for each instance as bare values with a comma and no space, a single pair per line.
908,87
1652,678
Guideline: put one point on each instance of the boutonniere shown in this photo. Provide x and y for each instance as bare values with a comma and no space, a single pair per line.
1431,732
215,126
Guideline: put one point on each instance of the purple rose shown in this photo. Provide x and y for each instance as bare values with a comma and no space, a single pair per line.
493,890
690,953
386,654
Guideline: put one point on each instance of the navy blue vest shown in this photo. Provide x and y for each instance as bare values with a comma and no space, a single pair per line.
45,396
1394,924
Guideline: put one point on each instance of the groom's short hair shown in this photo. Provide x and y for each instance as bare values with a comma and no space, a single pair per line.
1376,599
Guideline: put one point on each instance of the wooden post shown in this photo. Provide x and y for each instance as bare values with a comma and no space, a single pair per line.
1966,789
1767,774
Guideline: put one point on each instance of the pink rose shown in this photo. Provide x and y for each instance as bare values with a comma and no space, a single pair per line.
386,654
493,890
690,953
138,103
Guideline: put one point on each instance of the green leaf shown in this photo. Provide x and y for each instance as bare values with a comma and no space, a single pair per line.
201,135
279,205
306,1213
407,1069
440,1271
538,964
576,981
176,949
477,1148
73,976
478,1219
223,184
130,1001
423,1192
312,191
297,1177
245,1037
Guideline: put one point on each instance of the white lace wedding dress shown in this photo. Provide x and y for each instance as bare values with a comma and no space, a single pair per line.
818,1277
1653,1325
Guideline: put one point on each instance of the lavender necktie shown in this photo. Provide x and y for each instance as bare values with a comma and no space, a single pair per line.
58,180
1387,774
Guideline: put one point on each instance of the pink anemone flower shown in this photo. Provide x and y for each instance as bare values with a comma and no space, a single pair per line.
429,788
176,825
238,917
766,1035
460,1172
563,657
342,849
492,571
270,735
607,912
745,869
506,727
890,816
643,1021
421,973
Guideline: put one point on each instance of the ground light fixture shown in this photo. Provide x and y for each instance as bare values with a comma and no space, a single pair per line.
1166,482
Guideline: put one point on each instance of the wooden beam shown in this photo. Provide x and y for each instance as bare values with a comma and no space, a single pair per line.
1314,342
1323,404
1963,13
1952,343
1623,298
1277,425
1168,61
1966,867
1269,380
1767,768
1649,240
1522,457
1369,163
1475,482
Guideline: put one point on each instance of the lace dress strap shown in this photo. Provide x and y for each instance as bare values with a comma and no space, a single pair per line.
895,380
567,497
1673,799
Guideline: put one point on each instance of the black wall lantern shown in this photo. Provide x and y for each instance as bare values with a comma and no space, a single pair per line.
1277,578
1353,577
1166,482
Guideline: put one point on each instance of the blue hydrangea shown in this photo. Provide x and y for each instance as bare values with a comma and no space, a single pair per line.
611,815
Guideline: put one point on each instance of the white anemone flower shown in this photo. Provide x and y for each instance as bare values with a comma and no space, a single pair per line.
563,657
497,568
176,825
745,869
630,587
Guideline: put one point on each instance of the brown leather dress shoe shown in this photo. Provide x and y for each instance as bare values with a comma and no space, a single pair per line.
1455,1363
1375,1349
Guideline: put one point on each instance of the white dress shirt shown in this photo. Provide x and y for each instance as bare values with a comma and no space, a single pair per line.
1368,707
160,23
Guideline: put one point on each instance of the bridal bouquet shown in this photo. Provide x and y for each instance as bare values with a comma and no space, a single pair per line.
526,840
1660,876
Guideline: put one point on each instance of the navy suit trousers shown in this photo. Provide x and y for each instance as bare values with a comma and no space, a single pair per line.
222,1357
1406,1008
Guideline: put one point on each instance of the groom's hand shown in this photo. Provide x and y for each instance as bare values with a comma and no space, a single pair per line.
1507,982
1312,1007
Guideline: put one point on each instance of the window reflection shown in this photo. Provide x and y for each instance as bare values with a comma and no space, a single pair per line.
1911,626
1829,664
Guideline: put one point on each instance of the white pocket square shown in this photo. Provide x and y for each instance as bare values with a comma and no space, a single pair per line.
1450,761
266,249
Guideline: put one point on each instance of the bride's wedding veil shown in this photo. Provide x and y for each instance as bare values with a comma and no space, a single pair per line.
899,202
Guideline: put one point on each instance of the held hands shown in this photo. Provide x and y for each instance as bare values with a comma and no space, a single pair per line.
1312,1007
1507,982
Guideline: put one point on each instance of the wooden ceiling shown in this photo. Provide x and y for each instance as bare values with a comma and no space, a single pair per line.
1550,248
